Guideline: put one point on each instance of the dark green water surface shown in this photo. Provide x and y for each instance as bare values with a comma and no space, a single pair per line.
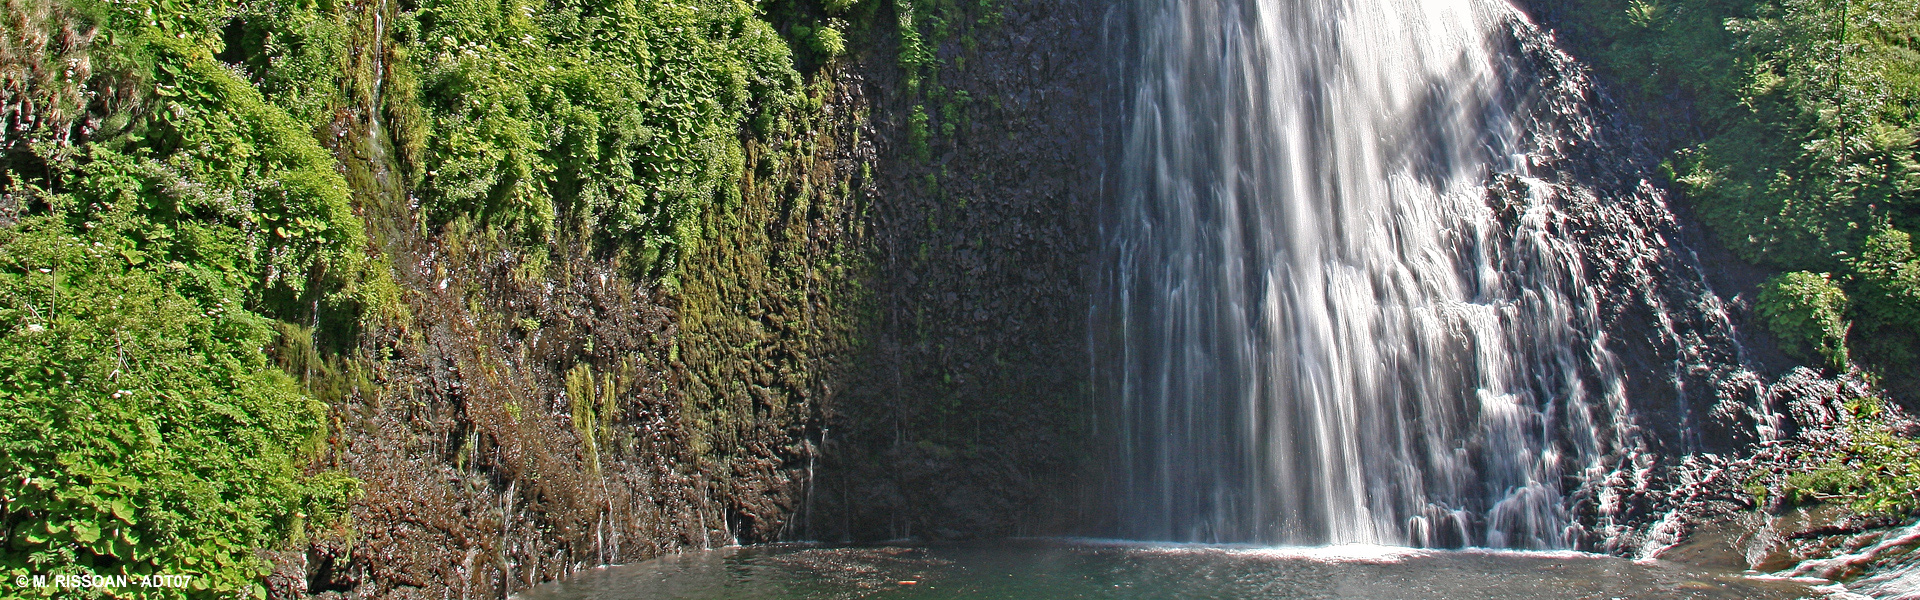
1089,569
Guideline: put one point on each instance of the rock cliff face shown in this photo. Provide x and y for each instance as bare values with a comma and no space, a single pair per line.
967,413
873,343
537,412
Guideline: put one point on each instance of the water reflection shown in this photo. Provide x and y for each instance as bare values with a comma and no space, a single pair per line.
1083,569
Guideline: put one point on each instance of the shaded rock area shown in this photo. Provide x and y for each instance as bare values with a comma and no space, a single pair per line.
968,414
771,312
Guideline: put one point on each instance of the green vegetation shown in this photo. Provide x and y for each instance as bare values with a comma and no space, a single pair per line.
619,120
594,401
142,431
163,215
179,250
1875,471
1887,279
1805,310
1798,151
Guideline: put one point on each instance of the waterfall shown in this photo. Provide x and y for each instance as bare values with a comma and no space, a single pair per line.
1349,292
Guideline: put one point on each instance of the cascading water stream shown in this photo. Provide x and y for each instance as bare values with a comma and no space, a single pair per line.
1340,305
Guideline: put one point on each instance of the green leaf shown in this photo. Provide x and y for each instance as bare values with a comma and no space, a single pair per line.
85,532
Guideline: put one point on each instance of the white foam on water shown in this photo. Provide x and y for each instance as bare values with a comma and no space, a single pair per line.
1335,553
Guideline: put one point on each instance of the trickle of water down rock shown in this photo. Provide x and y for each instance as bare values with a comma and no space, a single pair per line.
1374,274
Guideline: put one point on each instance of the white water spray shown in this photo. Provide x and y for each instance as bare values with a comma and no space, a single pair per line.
1340,305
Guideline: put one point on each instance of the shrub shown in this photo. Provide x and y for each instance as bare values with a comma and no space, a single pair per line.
1874,471
1886,292
142,431
828,42
142,428
1889,276
619,120
1807,311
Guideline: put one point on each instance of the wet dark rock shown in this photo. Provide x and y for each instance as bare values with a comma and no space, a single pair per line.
965,417
1815,403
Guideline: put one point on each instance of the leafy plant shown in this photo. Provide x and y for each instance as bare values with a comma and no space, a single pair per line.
620,120
827,41
917,131
1889,275
1807,311
1886,282
1874,472
142,431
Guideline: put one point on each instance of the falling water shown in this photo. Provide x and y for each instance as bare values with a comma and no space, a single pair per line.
1342,305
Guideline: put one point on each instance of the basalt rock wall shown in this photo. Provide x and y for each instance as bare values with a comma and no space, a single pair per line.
968,412
883,338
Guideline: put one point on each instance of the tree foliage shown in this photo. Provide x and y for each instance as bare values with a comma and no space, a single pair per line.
1817,142
1796,124
1807,312
158,225
618,119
